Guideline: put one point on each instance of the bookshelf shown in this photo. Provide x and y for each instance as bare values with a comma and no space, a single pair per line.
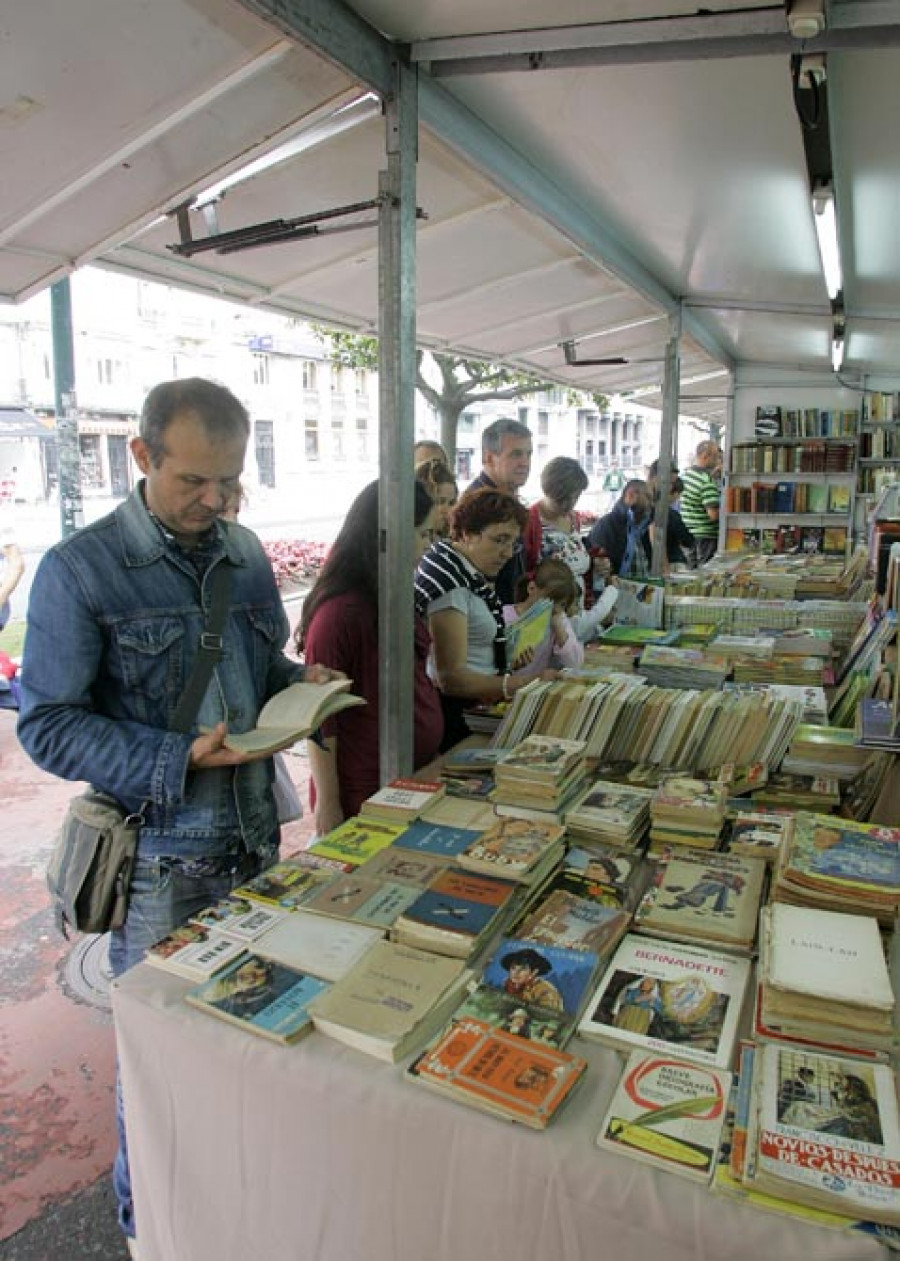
792,487
879,448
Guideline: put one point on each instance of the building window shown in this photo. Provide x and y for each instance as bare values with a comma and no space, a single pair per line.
523,415
543,424
362,383
337,379
312,438
337,444
260,369
362,446
310,374
91,461
264,442
362,422
467,420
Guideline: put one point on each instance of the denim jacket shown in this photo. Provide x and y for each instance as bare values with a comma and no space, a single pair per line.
114,623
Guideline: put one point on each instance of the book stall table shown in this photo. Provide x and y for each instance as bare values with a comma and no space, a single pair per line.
243,1149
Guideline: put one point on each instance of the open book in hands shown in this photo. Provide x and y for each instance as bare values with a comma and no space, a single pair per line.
294,713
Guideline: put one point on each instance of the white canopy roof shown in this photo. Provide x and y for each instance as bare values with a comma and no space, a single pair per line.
649,167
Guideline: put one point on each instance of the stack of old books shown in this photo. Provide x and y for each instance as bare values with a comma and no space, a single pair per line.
818,750
700,897
469,772
457,911
762,834
823,1131
683,667
823,979
687,811
491,1069
610,813
524,850
539,778
391,1001
841,865
798,792
402,800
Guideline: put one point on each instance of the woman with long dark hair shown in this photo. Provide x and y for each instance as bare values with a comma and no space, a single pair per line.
339,628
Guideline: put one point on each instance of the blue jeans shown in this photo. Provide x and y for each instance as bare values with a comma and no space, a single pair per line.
161,897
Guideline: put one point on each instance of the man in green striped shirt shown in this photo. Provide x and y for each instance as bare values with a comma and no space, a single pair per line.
700,500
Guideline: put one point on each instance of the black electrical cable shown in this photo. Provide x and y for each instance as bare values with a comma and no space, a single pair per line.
808,121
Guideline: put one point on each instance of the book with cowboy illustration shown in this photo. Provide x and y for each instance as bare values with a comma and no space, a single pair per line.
292,714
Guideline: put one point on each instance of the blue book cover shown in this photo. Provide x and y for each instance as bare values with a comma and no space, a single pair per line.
546,976
458,901
262,996
436,838
783,499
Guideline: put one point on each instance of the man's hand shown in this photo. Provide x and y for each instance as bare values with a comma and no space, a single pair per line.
322,674
208,751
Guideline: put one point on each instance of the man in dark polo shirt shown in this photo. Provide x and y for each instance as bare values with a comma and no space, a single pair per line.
505,466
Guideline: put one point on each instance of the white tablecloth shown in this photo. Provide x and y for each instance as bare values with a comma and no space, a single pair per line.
242,1150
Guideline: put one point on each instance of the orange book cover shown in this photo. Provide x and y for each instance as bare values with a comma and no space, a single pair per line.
527,1081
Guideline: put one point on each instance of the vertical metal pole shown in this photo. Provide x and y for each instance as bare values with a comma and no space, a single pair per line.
396,422
726,441
668,429
71,515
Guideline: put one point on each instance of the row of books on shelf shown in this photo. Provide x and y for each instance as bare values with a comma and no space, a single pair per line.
880,444
879,407
873,480
805,456
810,497
787,539
773,421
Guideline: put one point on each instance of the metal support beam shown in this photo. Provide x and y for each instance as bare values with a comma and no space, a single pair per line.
667,433
342,35
71,515
396,424
690,37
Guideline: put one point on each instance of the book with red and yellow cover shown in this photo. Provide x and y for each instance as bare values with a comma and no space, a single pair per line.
499,1073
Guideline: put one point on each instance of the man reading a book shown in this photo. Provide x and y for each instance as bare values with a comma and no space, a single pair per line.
118,616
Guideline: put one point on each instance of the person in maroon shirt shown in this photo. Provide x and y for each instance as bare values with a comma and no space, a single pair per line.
339,627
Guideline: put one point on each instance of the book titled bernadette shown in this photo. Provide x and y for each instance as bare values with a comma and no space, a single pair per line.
292,714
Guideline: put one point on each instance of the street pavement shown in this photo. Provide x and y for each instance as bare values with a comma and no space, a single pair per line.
57,1046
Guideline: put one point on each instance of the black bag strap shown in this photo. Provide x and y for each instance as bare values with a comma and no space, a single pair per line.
210,652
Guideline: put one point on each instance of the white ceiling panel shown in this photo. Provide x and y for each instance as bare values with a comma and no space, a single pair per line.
680,179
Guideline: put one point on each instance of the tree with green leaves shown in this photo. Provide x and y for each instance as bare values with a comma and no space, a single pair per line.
455,384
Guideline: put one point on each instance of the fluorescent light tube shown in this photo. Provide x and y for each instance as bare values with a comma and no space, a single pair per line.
826,231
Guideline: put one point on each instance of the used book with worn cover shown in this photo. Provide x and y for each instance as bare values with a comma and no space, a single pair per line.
262,997
517,849
402,800
294,713
759,834
500,1073
824,1131
839,864
703,897
455,912
668,1113
240,918
190,951
362,899
391,1001
553,977
287,884
441,839
356,839
504,1011
661,996
565,919
323,947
